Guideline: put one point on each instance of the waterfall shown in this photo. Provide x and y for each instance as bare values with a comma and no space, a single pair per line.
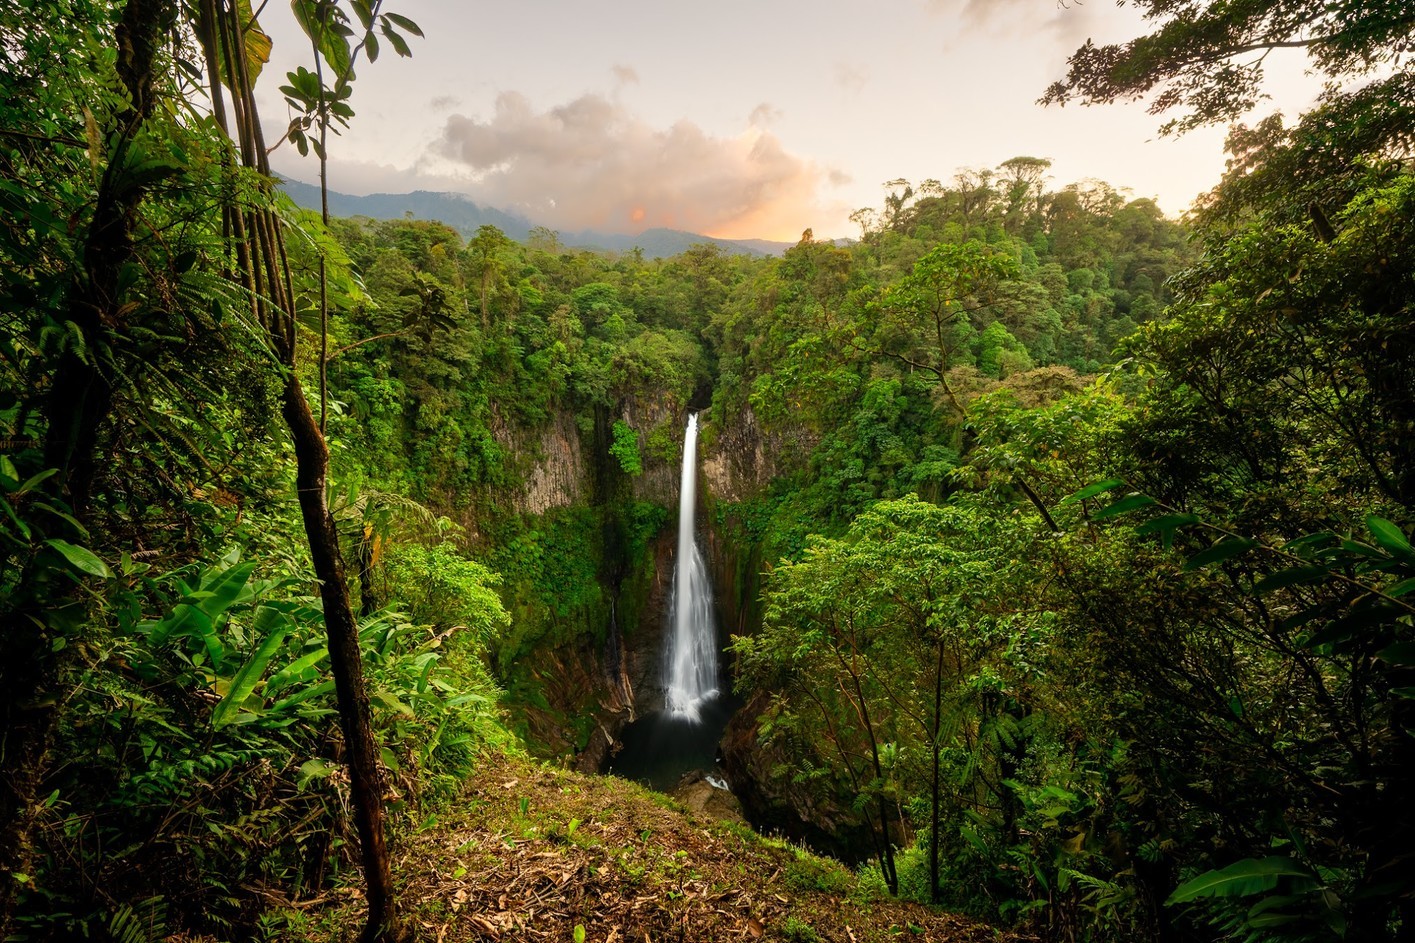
690,658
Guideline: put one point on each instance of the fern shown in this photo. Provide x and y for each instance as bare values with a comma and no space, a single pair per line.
145,923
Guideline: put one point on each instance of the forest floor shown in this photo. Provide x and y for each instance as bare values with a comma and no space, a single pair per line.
536,853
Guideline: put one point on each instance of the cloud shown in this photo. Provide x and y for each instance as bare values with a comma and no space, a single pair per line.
851,78
625,75
444,103
764,115
1068,22
593,164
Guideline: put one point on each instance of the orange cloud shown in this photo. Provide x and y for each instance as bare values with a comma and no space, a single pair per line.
592,164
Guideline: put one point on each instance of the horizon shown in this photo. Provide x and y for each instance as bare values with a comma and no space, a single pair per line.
624,119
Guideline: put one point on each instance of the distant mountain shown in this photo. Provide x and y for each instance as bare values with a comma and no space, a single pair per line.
454,209
661,243
465,216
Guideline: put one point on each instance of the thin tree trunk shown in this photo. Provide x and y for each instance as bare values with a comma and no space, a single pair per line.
270,268
891,876
934,797
835,738
345,659
363,559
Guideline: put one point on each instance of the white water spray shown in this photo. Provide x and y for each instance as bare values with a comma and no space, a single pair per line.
690,658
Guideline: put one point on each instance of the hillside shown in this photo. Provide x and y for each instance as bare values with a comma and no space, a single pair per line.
530,852
466,216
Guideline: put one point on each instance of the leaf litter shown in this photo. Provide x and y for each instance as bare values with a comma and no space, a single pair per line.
530,852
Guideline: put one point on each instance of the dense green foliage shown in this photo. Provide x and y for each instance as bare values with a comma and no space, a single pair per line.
1086,551
1144,669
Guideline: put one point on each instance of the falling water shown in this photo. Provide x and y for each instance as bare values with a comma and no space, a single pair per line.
690,658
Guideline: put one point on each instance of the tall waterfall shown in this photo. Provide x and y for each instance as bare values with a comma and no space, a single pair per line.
690,658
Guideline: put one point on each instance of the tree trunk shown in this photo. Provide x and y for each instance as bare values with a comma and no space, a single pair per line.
345,660
891,876
363,559
221,29
934,787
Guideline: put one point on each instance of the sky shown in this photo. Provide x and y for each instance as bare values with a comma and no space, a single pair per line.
738,118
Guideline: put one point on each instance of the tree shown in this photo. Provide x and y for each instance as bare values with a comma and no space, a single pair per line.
226,32
486,251
926,319
1208,57
1022,181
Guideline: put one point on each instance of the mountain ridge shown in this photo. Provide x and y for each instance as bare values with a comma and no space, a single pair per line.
466,216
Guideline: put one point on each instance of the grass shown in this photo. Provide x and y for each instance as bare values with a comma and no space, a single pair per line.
531,852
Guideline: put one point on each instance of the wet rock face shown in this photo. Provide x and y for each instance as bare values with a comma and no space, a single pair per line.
704,798
555,471
742,458
557,465
627,665
659,481
738,464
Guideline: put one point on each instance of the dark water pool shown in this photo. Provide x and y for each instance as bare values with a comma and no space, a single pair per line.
659,748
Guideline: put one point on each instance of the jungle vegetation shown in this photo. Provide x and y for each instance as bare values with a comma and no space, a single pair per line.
1085,573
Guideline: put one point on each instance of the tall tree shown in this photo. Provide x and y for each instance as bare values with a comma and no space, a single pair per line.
926,319
226,27
1208,58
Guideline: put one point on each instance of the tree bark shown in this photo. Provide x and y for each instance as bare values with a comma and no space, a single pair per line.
935,748
222,29
345,659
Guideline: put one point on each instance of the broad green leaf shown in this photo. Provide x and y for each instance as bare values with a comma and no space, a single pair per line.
1401,654
296,669
389,701
63,515
400,45
1306,545
300,696
1131,502
81,558
314,769
1090,491
220,590
364,11
1167,522
20,525
1291,577
1249,876
34,480
1165,525
257,45
404,23
1358,549
332,42
254,669
1389,536
1401,588
1267,912
1225,549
